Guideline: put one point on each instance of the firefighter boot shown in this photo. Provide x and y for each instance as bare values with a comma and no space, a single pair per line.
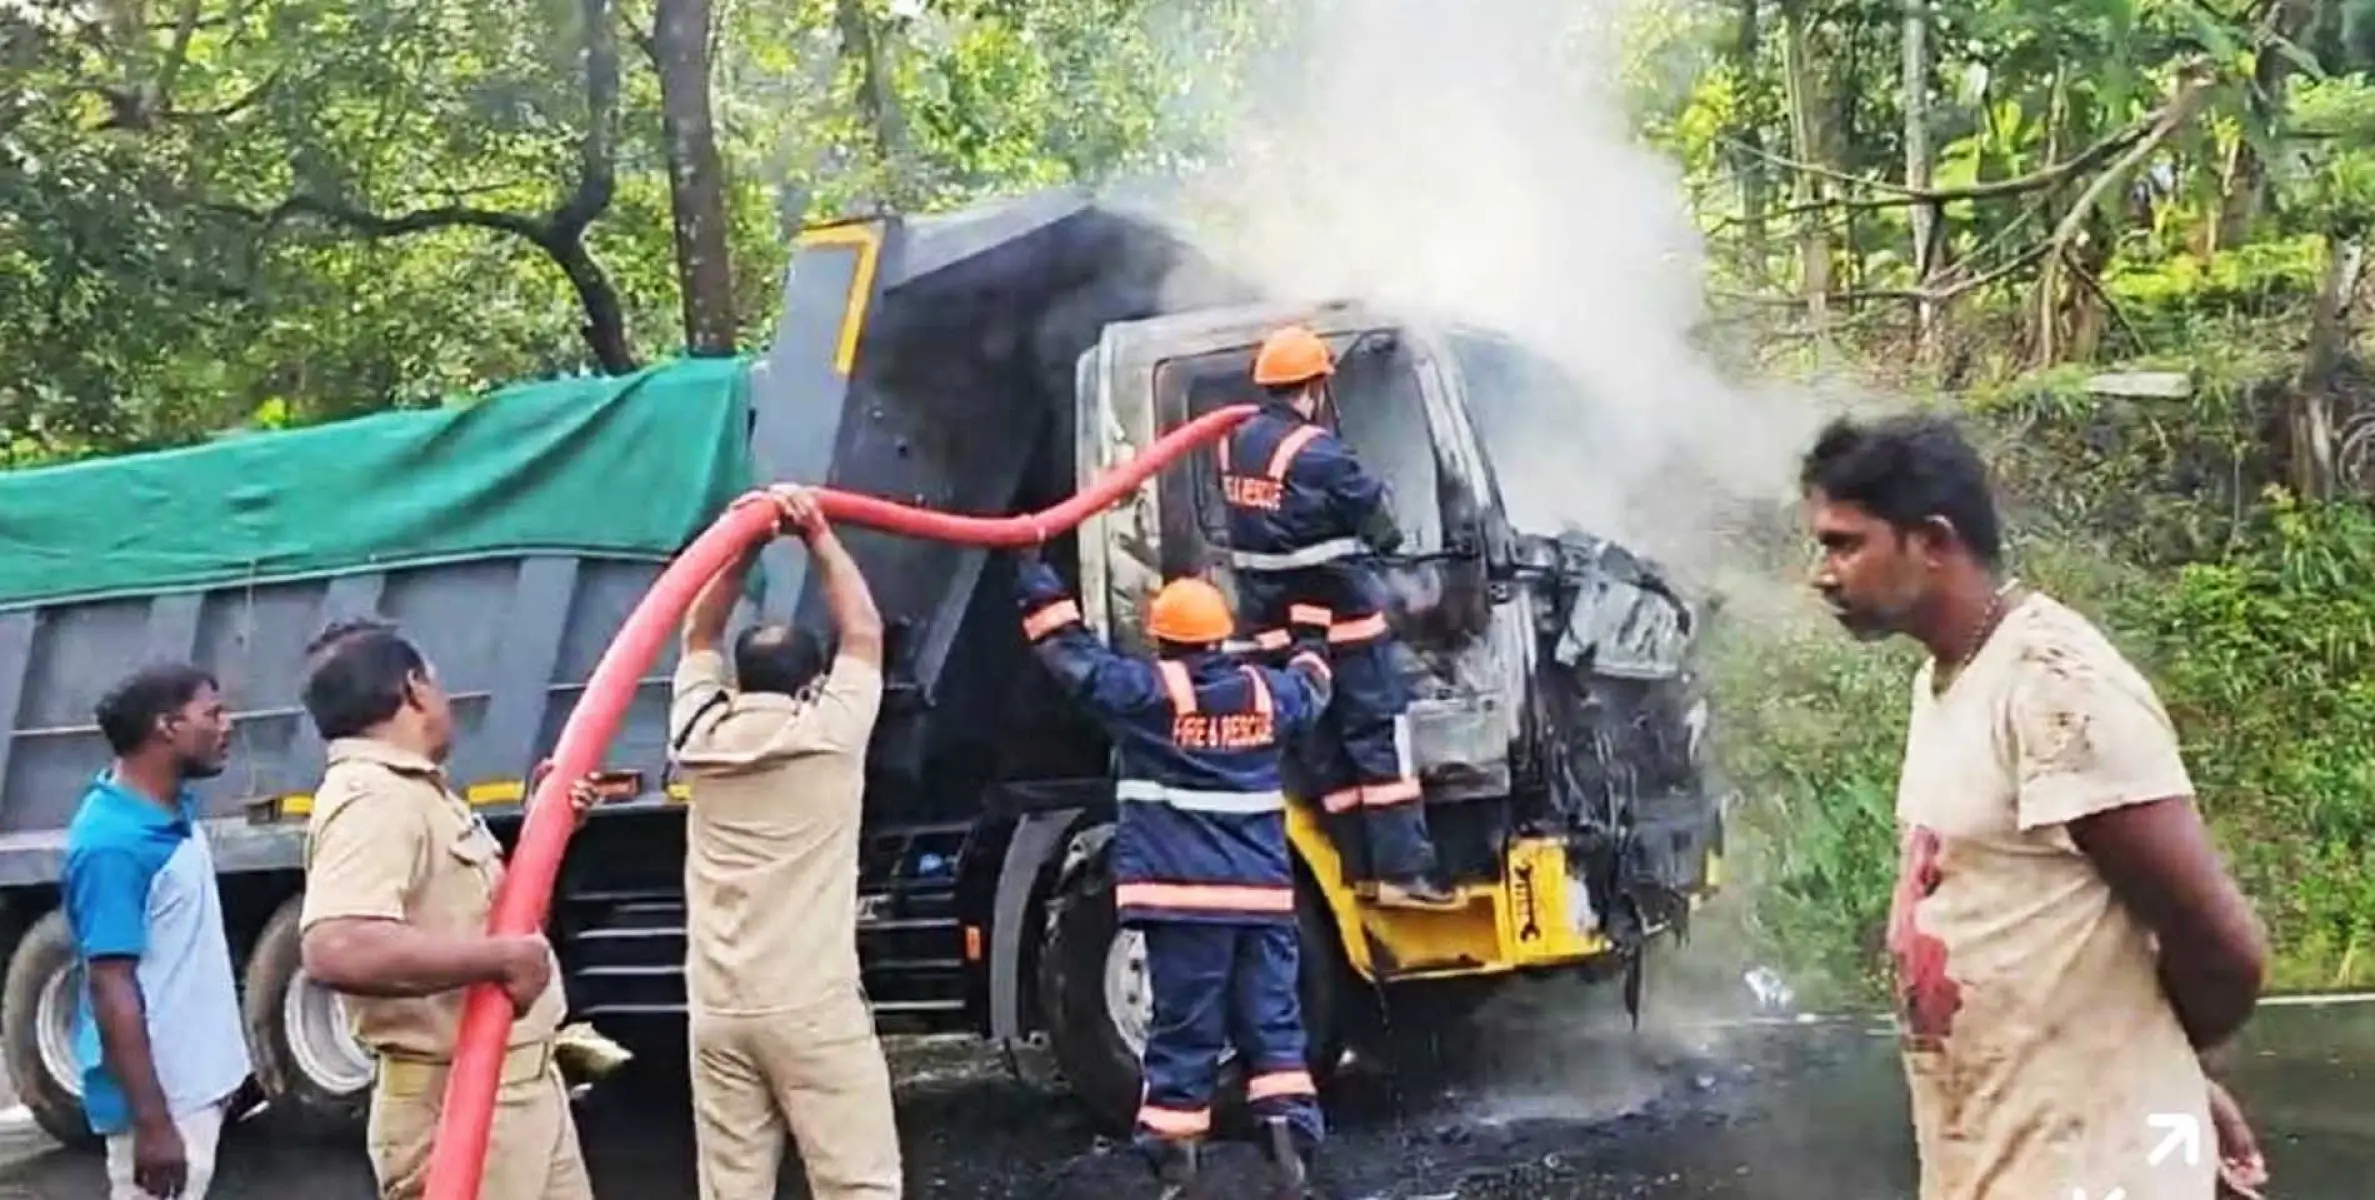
1417,891
1290,1162
1174,1165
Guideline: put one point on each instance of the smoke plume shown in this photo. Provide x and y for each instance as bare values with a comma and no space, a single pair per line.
1473,161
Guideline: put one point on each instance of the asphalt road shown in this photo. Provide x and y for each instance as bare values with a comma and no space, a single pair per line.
1564,1102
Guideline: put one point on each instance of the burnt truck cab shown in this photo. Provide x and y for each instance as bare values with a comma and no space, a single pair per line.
1000,358
1557,723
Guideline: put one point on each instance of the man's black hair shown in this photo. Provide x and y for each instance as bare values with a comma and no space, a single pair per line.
1905,470
778,659
356,674
128,713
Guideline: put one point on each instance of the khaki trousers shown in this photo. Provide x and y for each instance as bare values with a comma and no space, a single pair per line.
532,1151
816,1072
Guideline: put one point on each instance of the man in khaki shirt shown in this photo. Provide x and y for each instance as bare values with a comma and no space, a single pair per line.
781,1033
2067,943
400,881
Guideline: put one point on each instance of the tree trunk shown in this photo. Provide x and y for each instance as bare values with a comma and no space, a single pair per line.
2310,422
1925,216
2244,181
1805,107
1749,163
605,328
861,43
696,175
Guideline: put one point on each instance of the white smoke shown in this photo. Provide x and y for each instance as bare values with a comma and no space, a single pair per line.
1472,159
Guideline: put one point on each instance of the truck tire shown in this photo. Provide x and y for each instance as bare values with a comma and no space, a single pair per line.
1097,1000
314,1075
37,1009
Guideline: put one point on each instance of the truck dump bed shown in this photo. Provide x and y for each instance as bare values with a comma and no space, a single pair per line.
509,537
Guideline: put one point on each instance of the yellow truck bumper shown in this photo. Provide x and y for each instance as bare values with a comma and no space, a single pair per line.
1521,922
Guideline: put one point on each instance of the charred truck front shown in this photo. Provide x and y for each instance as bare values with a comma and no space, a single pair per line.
1557,728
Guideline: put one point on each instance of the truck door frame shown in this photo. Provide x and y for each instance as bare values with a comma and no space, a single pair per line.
1122,557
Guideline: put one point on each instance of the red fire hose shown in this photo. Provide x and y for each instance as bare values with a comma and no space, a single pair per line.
459,1157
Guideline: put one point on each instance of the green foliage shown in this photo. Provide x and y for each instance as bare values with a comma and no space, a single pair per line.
1811,728
2169,297
2267,658
154,290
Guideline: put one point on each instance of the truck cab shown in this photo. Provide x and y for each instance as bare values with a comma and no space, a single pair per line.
1557,724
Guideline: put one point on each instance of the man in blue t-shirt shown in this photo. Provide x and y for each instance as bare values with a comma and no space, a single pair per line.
148,924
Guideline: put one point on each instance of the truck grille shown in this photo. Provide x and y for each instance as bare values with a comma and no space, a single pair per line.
624,947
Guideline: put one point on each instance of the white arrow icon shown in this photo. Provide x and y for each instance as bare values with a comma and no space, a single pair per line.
2185,1130
2113,1194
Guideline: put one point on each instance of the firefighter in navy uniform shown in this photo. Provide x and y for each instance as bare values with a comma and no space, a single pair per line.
1200,858
1302,513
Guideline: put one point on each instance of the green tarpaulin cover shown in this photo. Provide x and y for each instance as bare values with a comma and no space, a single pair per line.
625,466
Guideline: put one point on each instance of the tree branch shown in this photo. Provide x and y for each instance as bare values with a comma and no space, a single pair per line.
1932,295
1899,195
2193,90
560,234
246,100
373,225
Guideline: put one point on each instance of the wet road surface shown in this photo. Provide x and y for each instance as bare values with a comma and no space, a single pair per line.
1563,1102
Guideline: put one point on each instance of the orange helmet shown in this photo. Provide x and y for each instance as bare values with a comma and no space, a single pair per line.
1292,355
1190,612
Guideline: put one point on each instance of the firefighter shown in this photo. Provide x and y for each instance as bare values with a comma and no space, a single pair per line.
1200,859
1302,513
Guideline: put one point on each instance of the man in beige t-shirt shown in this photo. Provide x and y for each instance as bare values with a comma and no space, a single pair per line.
400,880
2066,941
781,1033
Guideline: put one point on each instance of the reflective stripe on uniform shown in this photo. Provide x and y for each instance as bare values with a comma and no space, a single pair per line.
1361,630
1261,690
1175,1122
1272,1084
1181,688
1313,555
1288,447
1147,791
1046,620
1207,897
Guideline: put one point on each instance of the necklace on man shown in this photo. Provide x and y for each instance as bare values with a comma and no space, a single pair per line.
1981,630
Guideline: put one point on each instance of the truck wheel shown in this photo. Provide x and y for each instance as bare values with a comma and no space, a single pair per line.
1098,999
1089,1038
37,1009
314,1074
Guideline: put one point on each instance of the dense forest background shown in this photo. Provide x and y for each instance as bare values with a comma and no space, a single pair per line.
2126,237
